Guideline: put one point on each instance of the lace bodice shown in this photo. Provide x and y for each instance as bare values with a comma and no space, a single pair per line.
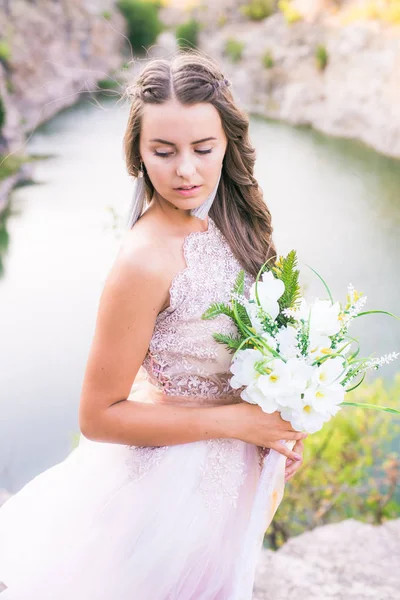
183,358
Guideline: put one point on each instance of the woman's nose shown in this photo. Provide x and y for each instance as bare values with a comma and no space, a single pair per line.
185,168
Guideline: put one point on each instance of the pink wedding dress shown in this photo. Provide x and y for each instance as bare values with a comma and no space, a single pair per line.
115,522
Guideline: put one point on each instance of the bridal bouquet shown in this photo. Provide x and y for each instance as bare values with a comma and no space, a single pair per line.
295,357
291,355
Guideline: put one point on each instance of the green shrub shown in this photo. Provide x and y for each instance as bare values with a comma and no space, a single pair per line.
268,60
321,57
257,10
108,84
351,468
2,113
9,165
234,49
143,22
289,12
187,34
5,51
222,20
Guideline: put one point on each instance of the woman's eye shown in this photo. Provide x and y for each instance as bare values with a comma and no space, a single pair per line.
165,154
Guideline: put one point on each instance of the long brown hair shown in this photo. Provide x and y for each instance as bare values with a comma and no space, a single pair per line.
238,210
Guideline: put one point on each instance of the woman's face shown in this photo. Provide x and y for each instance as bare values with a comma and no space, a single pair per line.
182,146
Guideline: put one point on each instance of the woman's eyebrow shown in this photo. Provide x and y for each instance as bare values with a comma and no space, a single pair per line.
172,143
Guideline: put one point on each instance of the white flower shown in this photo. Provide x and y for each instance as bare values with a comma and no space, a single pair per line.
328,372
271,341
253,310
320,345
300,378
301,374
306,419
269,290
325,400
243,369
324,316
254,395
277,381
286,338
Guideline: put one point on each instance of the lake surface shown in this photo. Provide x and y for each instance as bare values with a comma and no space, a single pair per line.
334,201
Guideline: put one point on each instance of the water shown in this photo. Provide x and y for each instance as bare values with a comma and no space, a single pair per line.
335,201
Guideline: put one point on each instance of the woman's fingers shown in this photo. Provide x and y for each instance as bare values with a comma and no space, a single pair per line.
293,466
283,449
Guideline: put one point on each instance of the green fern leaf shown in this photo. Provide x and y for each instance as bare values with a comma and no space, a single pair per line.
218,308
239,283
233,342
288,273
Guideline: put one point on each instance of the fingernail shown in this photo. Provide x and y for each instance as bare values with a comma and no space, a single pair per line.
297,456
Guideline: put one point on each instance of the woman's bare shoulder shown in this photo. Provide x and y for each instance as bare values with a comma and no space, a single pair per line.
144,248
143,263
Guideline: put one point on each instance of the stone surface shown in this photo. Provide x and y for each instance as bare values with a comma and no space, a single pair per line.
356,96
349,560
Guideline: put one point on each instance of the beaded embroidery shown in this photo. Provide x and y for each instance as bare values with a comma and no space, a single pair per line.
223,472
183,358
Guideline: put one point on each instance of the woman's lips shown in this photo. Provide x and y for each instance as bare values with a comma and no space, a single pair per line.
190,192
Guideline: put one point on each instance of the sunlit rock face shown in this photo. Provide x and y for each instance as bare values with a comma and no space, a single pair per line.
355,95
57,51
346,561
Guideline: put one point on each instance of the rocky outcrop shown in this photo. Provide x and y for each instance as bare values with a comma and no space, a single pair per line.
53,51
357,94
342,561
58,50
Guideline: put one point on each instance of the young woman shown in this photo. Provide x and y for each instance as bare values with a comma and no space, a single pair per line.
155,501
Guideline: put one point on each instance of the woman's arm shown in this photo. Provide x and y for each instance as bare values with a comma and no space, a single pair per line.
135,292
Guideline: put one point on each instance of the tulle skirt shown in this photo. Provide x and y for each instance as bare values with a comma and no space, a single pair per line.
114,522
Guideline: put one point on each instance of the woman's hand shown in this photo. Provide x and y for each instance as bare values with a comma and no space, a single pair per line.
252,425
294,465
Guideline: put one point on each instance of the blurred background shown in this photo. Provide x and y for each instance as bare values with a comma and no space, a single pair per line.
320,80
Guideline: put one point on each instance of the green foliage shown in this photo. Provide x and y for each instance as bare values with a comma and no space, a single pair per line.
285,269
289,11
108,84
187,34
5,51
268,60
9,165
351,469
106,14
257,10
222,20
2,113
321,57
234,49
238,288
233,342
143,22
219,308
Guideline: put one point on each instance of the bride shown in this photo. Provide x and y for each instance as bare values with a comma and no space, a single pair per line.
155,502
